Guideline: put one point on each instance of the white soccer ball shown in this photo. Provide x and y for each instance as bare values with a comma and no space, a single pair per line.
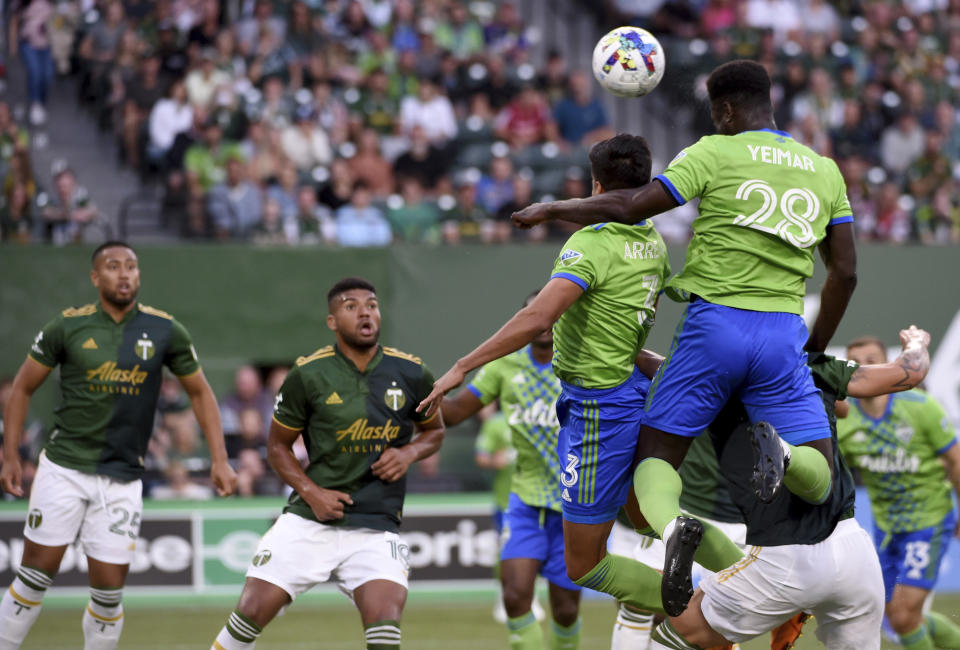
628,62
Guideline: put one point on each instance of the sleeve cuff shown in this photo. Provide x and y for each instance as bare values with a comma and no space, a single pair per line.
189,374
580,282
286,426
946,447
42,363
476,391
674,192
836,221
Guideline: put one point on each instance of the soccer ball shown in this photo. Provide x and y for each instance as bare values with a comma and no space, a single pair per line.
628,62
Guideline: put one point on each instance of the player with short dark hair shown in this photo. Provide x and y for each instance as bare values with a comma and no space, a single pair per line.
87,487
907,454
532,529
354,404
765,202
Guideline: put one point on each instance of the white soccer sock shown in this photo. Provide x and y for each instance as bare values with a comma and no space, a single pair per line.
103,619
20,606
240,633
632,630
668,530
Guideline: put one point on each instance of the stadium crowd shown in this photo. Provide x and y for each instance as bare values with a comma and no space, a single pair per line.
364,122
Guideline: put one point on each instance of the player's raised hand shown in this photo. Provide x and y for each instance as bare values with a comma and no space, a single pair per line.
530,216
450,380
224,478
393,463
10,477
327,504
913,335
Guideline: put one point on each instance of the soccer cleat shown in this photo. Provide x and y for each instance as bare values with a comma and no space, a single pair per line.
785,636
769,463
676,587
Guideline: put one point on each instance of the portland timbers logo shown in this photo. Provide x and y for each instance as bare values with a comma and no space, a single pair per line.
262,558
395,397
144,347
34,519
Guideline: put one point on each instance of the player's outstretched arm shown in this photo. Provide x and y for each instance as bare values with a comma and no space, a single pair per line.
28,379
623,206
542,312
951,459
839,253
395,461
204,404
903,373
457,409
326,504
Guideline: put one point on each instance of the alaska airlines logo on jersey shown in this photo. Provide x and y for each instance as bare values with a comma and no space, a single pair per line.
108,372
539,414
395,398
898,463
145,348
570,257
643,250
362,430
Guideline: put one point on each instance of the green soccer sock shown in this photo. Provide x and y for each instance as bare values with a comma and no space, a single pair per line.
525,633
564,638
808,475
627,580
944,632
665,636
919,639
382,635
658,487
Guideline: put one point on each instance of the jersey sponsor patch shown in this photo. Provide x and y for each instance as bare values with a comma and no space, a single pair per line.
334,399
90,344
570,257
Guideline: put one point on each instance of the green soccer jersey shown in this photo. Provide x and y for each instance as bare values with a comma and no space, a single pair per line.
621,270
348,419
528,393
493,437
765,203
110,375
898,458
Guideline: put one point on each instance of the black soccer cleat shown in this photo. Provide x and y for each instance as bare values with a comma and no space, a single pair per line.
676,587
769,463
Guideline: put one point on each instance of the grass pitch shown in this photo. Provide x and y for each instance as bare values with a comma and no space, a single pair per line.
430,623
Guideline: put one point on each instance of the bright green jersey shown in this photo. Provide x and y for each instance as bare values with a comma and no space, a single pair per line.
765,203
110,375
528,393
621,270
349,418
494,437
898,455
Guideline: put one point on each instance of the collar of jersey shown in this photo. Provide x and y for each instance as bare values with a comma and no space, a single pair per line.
604,223
374,362
536,364
123,321
884,415
780,133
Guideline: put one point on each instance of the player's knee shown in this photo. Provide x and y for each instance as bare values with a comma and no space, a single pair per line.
904,620
517,598
565,613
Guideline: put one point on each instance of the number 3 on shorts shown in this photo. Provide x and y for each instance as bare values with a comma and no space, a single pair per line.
569,475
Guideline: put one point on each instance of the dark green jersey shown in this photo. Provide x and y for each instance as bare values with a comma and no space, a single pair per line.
788,519
348,419
110,376
705,492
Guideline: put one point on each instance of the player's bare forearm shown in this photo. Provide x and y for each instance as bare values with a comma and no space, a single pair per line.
903,373
394,463
284,462
648,362
428,440
457,409
628,206
840,255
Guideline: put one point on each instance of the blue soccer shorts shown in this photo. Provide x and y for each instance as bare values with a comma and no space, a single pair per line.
596,447
535,533
913,558
722,352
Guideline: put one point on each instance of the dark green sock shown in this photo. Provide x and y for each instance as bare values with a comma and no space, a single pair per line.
944,632
564,638
808,475
626,580
525,633
919,639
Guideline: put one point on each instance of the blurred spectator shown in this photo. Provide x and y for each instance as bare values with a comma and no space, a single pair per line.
378,108
553,80
522,197
142,93
853,136
505,34
901,143
948,127
205,81
497,84
893,222
412,218
19,191
929,172
526,120
581,118
496,189
459,34
431,111
235,206
471,223
422,162
370,167
339,188
305,143
187,446
313,222
99,49
205,162
63,31
67,211
262,21
284,191
13,138
332,114
361,224
29,35
248,393
179,485
272,229
169,118
820,101
780,16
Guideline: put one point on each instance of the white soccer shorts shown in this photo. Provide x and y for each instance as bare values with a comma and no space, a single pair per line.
297,554
837,580
102,512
